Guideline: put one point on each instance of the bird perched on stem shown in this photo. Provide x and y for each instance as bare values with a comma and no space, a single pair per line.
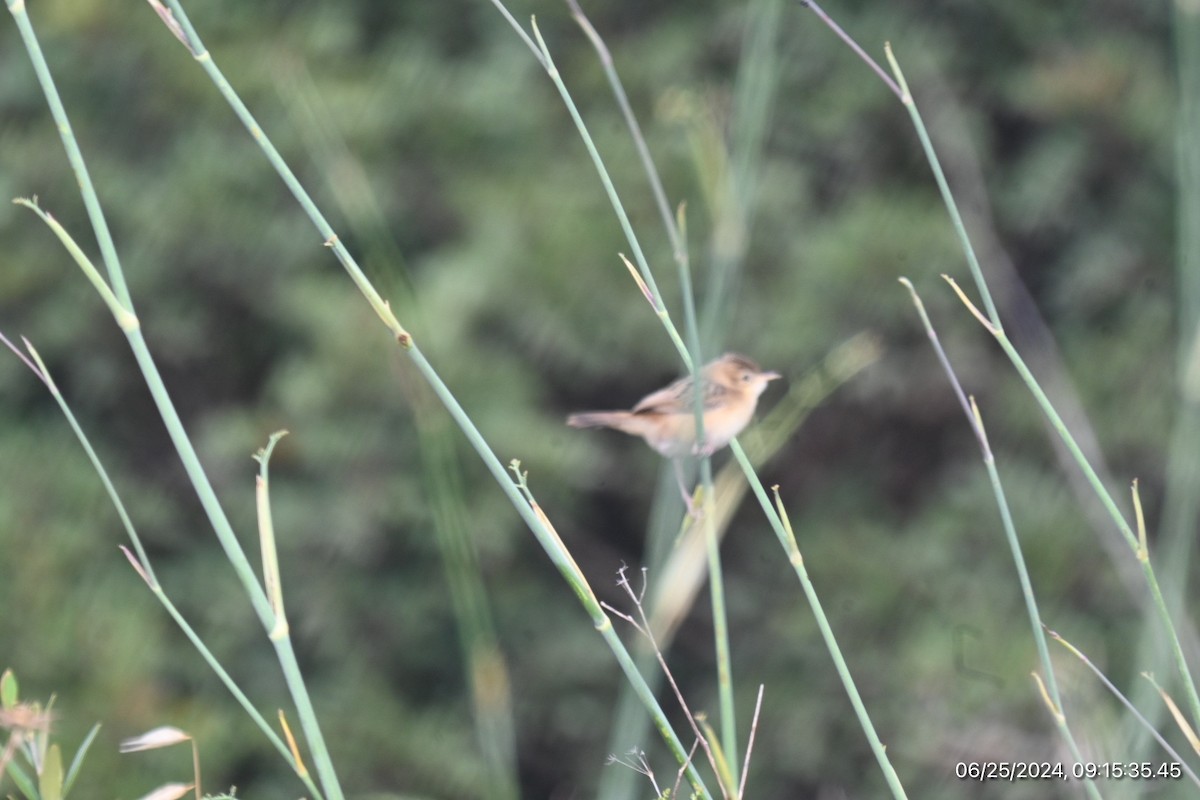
666,419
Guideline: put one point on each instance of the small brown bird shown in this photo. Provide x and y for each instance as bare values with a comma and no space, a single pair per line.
666,419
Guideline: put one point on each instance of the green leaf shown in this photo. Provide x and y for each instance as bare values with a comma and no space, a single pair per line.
22,781
77,762
50,782
8,689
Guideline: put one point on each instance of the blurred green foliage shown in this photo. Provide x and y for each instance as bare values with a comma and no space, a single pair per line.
436,146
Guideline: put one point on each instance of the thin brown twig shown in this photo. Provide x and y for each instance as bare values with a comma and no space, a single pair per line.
683,768
644,629
604,604
32,367
638,763
750,744
948,368
853,45
581,19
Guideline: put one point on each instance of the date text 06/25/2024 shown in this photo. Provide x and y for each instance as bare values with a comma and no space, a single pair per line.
1061,771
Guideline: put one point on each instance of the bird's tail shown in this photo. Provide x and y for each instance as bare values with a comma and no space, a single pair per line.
598,419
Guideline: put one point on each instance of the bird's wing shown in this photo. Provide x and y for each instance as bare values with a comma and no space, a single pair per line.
666,401
716,394
677,398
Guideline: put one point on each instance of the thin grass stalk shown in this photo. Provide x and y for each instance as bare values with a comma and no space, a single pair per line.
141,563
165,406
773,516
752,99
853,45
77,761
741,792
716,578
287,657
712,541
997,331
729,489
516,26
753,96
66,133
1142,555
38,367
787,538
975,419
531,514
714,756
1133,710
754,90
488,675
753,93
179,23
1186,28
1181,496
131,328
591,603
693,356
712,545
960,228
484,662
654,295
678,243
187,35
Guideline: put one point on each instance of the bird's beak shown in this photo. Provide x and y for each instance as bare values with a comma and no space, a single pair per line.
770,376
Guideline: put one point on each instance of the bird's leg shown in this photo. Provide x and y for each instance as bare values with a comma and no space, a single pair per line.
683,490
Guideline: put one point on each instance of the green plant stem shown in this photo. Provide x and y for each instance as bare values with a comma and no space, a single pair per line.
1010,534
678,241
537,523
523,500
655,296
488,674
234,689
787,539
142,564
960,228
162,400
716,577
1160,603
691,353
245,572
752,100
1181,501
188,36
853,45
485,665
773,516
740,167
712,540
997,331
1133,710
91,201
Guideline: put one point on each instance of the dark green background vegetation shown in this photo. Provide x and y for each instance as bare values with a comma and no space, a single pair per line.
444,157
